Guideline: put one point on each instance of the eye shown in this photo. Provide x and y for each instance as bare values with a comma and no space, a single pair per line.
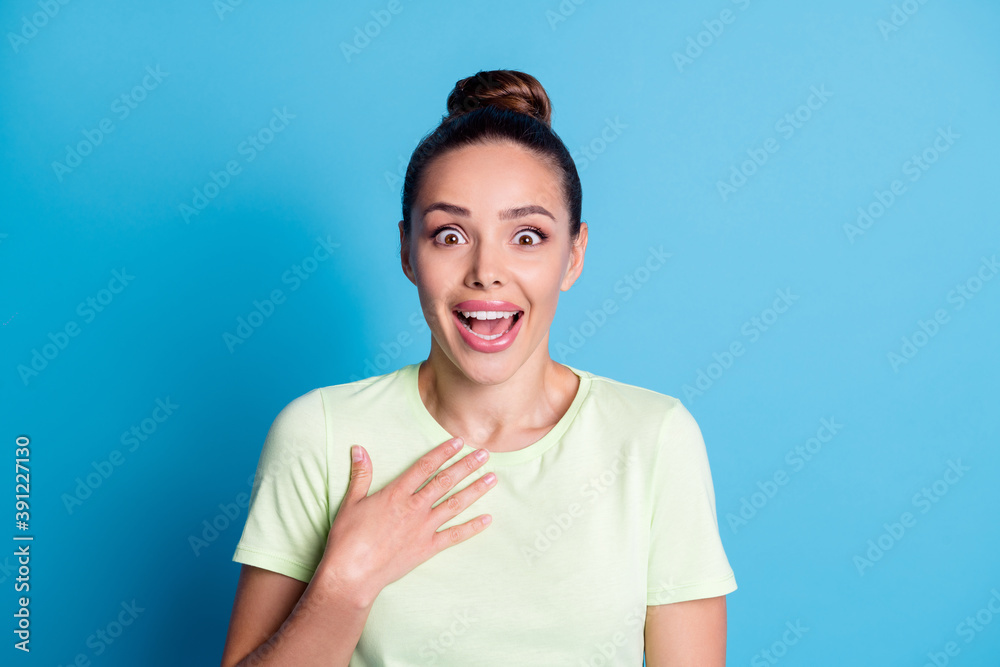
447,236
527,234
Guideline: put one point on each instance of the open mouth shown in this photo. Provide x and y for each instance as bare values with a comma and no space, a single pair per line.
489,324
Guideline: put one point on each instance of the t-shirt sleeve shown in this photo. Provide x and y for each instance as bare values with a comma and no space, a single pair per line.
288,519
686,557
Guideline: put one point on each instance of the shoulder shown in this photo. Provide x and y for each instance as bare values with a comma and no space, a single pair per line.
300,415
378,391
313,407
629,398
300,433
660,420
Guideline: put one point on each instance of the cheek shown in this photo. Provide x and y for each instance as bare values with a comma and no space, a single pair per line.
430,275
436,289
552,277
544,286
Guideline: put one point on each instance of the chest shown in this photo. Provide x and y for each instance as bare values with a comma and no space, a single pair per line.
560,573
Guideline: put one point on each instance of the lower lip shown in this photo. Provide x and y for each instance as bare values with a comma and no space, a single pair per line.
495,345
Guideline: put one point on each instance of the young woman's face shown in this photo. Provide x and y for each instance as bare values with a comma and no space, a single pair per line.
490,233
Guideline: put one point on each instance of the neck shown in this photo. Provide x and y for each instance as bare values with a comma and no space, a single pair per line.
487,402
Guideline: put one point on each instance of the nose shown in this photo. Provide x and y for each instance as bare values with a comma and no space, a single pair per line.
486,268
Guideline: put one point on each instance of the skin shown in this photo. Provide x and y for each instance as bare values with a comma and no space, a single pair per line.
504,401
500,401
687,634
375,539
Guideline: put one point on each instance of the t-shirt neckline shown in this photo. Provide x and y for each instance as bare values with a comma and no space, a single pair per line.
430,427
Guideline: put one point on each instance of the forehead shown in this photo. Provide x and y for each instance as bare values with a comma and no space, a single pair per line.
492,175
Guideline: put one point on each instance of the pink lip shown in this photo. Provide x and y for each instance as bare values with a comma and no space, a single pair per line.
477,343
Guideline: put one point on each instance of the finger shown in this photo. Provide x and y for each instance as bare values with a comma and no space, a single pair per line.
428,464
361,474
455,504
445,480
457,534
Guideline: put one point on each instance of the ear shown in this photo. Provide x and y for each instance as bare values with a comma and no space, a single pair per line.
576,254
404,254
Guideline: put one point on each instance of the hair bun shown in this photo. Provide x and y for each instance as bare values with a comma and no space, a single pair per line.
501,88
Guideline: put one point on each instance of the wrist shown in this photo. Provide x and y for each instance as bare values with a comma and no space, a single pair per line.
342,583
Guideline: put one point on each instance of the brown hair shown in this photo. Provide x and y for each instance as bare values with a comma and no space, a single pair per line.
497,106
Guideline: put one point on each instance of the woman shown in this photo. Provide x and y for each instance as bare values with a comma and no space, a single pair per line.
603,540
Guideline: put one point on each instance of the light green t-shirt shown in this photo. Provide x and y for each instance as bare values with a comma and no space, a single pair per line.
610,511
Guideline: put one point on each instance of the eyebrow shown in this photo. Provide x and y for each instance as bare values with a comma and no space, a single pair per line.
505,214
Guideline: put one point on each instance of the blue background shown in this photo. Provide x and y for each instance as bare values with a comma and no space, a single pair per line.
333,172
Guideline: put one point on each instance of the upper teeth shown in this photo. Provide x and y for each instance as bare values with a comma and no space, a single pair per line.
487,314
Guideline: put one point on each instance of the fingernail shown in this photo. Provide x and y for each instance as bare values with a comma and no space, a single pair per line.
356,453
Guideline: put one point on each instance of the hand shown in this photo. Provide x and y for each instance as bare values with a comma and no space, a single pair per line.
376,539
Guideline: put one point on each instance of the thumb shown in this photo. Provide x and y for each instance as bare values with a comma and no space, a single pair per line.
361,473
